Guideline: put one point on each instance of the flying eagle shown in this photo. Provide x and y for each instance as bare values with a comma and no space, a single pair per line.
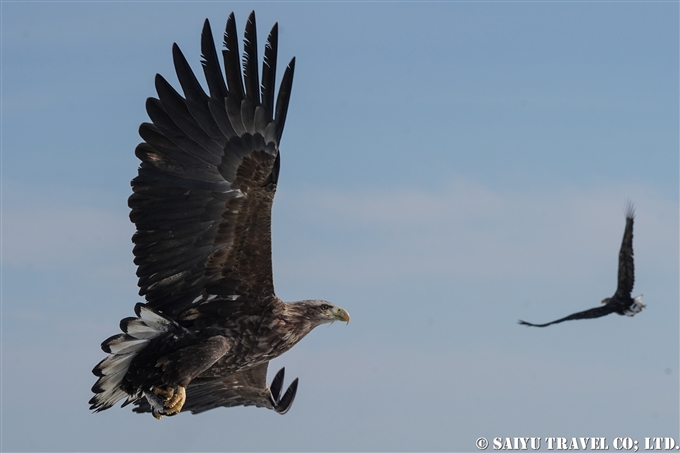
202,205
621,302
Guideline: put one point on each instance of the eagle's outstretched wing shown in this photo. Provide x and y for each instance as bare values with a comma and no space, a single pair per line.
210,164
626,264
246,388
587,314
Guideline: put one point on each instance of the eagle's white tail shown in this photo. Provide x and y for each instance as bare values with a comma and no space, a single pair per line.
636,307
123,348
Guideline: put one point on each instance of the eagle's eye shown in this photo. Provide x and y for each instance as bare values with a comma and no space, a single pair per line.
325,306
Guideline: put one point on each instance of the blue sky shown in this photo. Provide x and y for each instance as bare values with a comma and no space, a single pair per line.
447,169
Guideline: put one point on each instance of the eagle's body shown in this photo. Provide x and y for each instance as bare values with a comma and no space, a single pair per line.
621,302
202,207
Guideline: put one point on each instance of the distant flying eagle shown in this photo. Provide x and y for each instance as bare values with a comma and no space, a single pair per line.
202,207
621,302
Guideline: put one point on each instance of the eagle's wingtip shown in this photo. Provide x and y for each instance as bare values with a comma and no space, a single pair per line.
630,209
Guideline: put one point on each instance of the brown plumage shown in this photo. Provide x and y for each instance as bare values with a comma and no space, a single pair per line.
202,207
621,302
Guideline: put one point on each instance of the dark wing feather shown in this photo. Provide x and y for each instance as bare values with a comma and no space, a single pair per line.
269,73
232,69
587,314
216,82
196,99
250,75
203,196
626,264
282,103
245,388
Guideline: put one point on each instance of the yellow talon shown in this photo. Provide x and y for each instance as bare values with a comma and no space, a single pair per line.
175,397
174,404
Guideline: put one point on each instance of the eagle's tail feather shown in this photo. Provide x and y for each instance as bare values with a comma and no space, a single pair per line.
636,307
123,348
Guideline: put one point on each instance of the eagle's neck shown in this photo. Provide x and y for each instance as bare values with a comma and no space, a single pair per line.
291,321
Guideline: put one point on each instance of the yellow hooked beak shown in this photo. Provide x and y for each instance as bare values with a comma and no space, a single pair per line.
341,315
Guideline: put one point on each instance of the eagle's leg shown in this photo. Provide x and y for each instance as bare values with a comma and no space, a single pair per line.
174,399
181,367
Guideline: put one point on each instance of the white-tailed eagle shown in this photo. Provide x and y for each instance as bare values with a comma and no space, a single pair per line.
202,205
621,302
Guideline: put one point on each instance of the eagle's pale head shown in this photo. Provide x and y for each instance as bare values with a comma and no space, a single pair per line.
321,311
303,316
